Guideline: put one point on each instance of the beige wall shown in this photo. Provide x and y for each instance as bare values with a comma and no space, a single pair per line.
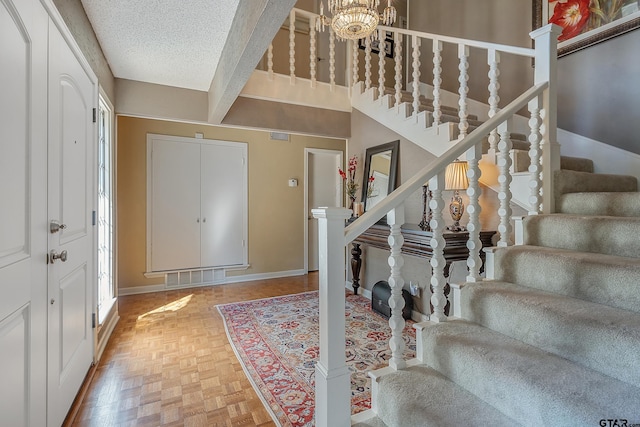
76,19
498,21
276,212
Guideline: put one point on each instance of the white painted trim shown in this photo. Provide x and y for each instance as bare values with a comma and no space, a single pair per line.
263,276
135,290
108,330
606,158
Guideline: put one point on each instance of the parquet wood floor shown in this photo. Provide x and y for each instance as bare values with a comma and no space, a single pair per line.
169,362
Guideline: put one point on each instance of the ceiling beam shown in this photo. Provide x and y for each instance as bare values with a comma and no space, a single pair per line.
254,26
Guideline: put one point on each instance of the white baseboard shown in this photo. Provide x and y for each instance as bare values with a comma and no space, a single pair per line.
606,158
108,330
263,276
135,290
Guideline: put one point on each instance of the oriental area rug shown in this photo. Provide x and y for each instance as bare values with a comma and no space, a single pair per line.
276,341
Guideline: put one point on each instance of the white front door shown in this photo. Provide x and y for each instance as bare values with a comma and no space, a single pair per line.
324,189
23,221
71,201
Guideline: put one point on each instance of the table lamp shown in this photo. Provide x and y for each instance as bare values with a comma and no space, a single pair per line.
456,180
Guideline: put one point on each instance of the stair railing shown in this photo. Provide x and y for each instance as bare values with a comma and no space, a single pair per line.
332,377
332,374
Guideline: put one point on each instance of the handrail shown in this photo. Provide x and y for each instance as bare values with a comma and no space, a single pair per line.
398,196
523,51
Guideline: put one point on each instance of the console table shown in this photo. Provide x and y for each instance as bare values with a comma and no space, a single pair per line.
416,243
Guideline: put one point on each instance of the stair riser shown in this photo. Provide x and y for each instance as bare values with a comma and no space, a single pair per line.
575,334
599,279
609,204
505,375
604,235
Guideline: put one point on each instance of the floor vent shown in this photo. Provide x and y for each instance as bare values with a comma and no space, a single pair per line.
186,278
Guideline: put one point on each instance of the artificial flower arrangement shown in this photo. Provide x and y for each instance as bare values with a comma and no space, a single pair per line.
349,178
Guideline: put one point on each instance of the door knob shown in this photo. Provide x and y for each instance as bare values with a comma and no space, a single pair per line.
62,256
55,226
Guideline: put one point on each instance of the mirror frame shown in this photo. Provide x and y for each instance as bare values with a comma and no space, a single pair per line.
394,147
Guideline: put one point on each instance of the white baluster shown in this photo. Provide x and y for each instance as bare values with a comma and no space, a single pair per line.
438,262
395,219
367,63
504,180
381,63
292,46
332,59
270,61
333,378
494,86
535,155
416,73
463,55
313,58
398,67
437,80
354,62
474,262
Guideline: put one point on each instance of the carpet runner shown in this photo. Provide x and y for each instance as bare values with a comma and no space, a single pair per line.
276,341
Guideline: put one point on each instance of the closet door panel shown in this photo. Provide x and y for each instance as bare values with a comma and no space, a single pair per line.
175,219
223,172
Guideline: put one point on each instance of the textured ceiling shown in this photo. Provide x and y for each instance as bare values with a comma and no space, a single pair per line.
169,42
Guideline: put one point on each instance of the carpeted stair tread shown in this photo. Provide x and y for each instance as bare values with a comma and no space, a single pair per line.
599,203
608,235
420,396
568,181
372,422
530,385
581,331
602,279
578,164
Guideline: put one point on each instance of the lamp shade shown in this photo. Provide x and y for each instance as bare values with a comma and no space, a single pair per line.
456,176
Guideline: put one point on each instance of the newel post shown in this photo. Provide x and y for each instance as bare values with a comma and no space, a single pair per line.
546,66
333,379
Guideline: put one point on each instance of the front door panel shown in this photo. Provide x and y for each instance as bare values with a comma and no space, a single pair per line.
72,96
23,238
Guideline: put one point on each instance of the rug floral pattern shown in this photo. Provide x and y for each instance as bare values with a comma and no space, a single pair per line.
276,340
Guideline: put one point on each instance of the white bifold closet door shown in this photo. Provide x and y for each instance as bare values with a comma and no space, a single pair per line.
198,203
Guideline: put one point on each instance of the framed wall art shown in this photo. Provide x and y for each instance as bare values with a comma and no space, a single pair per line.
586,22
375,45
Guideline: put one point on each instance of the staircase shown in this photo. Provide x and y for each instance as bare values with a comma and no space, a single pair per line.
552,338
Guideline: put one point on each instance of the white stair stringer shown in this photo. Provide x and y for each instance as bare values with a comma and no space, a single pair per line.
414,128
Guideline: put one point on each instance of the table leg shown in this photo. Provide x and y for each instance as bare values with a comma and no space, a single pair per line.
356,263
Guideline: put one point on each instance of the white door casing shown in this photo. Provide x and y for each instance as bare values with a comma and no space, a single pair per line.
73,95
23,215
323,188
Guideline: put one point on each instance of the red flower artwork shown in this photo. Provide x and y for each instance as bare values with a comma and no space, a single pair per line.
571,15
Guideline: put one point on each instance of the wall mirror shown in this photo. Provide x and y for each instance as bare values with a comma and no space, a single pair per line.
380,169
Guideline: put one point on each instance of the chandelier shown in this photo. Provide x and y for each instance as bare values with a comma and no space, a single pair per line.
355,19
